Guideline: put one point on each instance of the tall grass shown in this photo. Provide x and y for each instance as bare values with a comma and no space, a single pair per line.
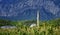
23,28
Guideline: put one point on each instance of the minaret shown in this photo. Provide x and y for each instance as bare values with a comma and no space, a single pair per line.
38,18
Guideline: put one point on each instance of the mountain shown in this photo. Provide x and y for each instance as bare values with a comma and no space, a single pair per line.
27,9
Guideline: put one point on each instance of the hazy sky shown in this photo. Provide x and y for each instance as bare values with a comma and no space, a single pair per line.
14,7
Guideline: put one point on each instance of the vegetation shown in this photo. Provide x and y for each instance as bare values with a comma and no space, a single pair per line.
51,27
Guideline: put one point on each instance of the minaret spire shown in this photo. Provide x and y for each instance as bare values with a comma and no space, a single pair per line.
38,18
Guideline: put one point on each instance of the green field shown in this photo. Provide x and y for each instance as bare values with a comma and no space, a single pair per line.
51,27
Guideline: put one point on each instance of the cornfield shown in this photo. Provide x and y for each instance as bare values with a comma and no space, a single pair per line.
23,30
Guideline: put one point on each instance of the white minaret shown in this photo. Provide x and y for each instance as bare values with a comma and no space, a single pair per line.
38,18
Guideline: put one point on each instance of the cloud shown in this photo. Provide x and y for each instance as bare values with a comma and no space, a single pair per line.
50,6
14,9
7,10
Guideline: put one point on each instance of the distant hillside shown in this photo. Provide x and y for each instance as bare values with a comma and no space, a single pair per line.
54,22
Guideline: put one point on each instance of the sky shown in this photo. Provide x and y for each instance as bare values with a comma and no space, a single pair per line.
14,8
